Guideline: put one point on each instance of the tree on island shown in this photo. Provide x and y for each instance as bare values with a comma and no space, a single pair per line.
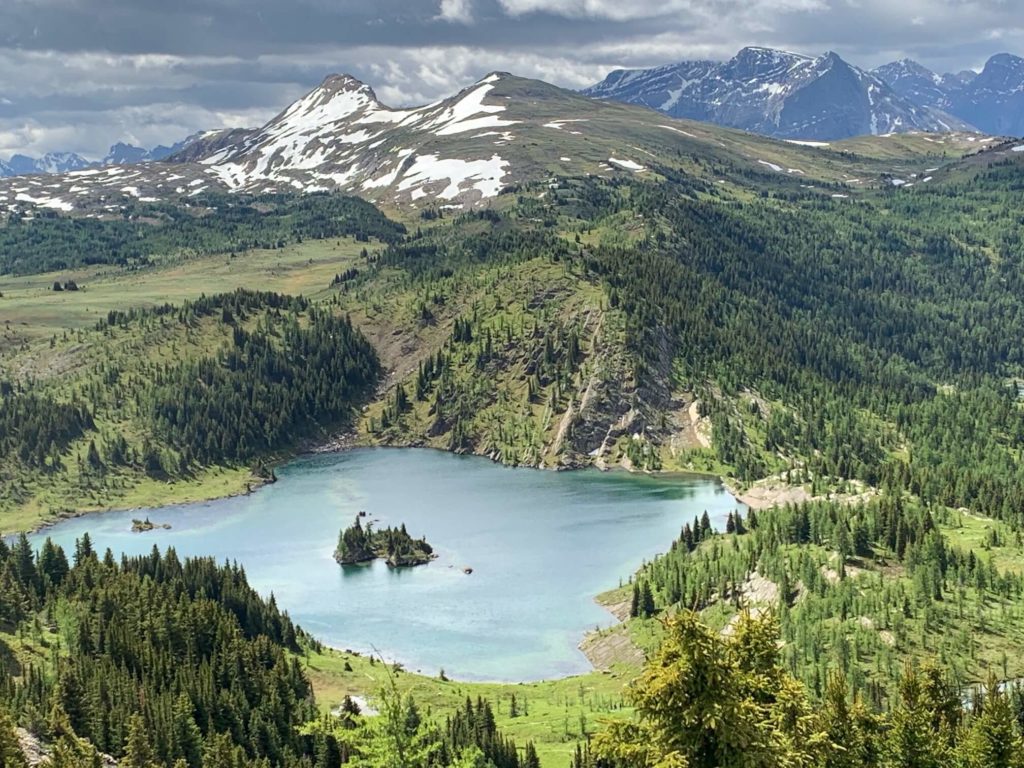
354,545
357,544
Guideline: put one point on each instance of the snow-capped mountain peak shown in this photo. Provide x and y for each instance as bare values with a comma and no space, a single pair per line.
777,93
455,152
340,134
51,162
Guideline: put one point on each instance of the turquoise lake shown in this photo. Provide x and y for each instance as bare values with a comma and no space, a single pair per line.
541,546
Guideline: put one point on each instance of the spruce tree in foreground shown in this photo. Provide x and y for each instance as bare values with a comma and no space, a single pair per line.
11,755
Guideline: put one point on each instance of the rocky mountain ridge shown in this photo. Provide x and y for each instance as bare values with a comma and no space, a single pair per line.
777,93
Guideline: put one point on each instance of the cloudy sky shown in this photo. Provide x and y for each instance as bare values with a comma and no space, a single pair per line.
78,75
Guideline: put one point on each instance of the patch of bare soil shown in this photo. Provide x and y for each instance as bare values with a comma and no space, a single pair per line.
607,647
775,491
757,596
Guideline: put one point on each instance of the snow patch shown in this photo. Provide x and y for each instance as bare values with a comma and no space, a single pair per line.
44,202
773,166
629,165
486,176
463,115
678,130
383,181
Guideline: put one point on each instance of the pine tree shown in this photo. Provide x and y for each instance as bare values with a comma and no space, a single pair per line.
852,730
530,759
11,755
53,564
138,748
93,457
994,740
647,606
706,702
188,739
912,743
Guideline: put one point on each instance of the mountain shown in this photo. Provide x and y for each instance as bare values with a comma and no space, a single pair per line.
776,93
127,154
920,85
207,143
63,162
995,98
52,162
498,133
992,100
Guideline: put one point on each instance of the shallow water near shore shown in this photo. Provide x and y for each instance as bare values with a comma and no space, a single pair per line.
541,545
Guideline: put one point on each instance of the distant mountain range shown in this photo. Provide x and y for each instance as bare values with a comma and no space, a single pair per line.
62,162
501,132
761,90
792,96
992,100
457,152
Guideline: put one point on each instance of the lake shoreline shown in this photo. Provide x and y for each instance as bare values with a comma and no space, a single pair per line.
611,646
445,490
350,441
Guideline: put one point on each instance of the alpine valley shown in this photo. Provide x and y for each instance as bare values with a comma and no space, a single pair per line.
831,325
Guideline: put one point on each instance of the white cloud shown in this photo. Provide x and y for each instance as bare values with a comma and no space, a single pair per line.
100,71
626,10
460,11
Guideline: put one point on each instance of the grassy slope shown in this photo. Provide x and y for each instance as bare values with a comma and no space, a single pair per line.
72,361
969,630
30,311
524,301
555,714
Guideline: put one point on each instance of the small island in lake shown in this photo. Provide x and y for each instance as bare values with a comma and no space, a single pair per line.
359,544
141,526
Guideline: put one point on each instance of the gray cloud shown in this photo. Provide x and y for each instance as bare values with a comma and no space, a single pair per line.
80,74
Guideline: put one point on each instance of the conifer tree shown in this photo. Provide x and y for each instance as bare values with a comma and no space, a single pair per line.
911,740
994,740
11,755
138,748
852,730
530,759
647,606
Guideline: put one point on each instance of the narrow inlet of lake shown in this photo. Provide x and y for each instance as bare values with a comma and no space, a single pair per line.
540,545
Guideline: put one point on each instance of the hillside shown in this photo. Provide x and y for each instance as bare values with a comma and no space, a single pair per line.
500,132
598,311
837,326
